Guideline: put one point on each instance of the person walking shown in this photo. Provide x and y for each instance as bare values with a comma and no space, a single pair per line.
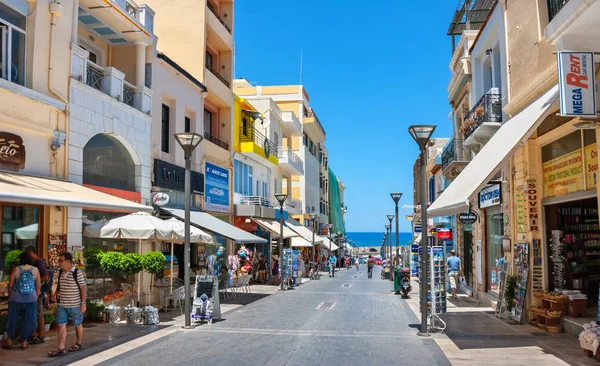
275,270
262,269
357,262
70,295
370,265
454,270
38,336
332,262
347,263
23,286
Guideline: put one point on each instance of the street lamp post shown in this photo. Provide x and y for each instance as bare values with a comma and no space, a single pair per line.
313,219
281,197
188,142
388,242
391,217
421,134
396,197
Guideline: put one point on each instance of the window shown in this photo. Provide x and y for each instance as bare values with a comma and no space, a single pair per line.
276,139
164,134
265,190
209,61
431,189
187,123
237,176
13,27
207,122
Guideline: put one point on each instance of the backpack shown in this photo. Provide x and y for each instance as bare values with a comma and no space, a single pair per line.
26,283
47,286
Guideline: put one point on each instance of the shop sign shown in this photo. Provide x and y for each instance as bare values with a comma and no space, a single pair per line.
161,199
172,177
591,165
217,188
520,208
467,217
563,174
490,196
533,211
245,223
418,228
576,84
444,234
12,152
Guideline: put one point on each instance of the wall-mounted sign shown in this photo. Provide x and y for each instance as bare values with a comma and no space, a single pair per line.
245,223
444,234
217,188
563,175
576,84
171,176
418,228
467,217
490,196
161,199
591,165
520,208
12,152
533,212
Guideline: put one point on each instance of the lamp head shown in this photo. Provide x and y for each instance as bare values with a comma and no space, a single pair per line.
387,227
390,217
281,197
313,217
396,196
421,134
188,141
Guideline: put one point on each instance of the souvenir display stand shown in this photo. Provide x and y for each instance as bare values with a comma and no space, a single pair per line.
437,287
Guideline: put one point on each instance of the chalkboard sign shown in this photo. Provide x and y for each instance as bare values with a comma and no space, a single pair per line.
204,285
206,304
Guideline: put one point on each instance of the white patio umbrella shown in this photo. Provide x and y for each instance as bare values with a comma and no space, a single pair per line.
28,232
138,225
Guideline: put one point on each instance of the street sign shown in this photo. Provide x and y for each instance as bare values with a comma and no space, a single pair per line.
418,229
467,217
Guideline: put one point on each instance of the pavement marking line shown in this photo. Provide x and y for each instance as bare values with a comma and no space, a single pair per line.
307,333
320,305
328,305
346,285
332,305
343,293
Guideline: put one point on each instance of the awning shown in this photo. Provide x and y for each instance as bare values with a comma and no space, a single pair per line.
33,190
302,231
327,244
298,241
274,227
208,222
514,133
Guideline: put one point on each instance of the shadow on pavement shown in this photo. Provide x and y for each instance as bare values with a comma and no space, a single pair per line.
244,299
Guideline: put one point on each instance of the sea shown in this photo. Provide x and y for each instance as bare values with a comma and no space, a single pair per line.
374,239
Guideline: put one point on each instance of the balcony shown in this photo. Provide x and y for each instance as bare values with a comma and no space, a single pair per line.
109,81
291,124
573,24
118,20
554,7
218,76
460,65
484,119
313,127
214,12
219,91
290,162
254,144
216,141
255,201
455,158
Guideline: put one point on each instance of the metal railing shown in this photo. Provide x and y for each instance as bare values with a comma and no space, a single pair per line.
255,201
218,76
94,75
293,203
454,152
128,93
554,7
214,11
216,141
487,109
286,152
252,135
312,114
290,116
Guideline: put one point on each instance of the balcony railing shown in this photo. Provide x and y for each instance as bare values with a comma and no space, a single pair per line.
214,11
252,135
128,94
487,109
286,152
454,152
218,76
312,114
255,201
142,13
554,7
293,203
216,141
94,75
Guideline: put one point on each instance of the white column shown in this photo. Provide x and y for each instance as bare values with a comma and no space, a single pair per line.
140,64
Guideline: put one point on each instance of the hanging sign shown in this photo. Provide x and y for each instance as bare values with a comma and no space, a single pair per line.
467,217
12,152
161,199
576,84
418,228
444,234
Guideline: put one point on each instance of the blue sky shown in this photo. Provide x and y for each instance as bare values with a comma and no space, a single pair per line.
370,70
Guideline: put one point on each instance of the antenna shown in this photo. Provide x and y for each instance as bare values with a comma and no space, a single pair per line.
301,66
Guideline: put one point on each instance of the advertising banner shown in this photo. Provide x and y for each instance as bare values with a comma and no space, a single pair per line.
563,175
520,208
217,188
591,165
576,84
490,196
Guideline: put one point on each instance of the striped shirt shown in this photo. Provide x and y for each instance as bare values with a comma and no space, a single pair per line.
69,295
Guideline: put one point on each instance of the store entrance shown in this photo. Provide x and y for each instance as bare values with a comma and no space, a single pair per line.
467,261
575,225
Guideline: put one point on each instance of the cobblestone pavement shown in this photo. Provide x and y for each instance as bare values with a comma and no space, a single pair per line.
347,320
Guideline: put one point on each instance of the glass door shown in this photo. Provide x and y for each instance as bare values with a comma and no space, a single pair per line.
495,254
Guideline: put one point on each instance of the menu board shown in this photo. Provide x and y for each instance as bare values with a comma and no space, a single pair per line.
521,260
206,305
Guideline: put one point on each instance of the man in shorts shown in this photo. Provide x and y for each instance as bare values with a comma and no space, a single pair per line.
70,295
454,270
39,263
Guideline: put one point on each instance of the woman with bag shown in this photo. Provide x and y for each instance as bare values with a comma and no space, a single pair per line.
23,286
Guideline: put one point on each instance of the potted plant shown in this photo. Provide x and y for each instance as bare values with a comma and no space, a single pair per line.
153,263
49,318
132,265
111,263
95,309
92,262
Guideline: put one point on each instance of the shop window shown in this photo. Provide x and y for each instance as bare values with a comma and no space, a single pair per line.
13,36
164,132
106,163
19,229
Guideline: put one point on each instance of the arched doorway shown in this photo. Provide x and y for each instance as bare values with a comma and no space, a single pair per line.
108,163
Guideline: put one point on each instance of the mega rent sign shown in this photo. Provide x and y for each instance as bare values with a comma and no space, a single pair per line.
576,83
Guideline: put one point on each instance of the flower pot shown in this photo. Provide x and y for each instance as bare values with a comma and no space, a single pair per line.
47,327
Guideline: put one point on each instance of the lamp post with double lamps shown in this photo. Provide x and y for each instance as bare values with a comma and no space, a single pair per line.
281,197
313,220
188,142
388,243
390,218
421,134
396,197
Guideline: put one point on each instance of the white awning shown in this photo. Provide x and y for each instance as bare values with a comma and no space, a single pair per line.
327,244
514,133
302,231
275,228
208,222
34,190
298,241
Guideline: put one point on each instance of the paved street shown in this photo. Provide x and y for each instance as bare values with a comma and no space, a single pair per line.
353,326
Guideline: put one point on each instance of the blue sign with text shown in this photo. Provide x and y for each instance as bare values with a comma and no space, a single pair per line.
216,192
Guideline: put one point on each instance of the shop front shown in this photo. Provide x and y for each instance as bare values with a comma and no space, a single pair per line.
490,202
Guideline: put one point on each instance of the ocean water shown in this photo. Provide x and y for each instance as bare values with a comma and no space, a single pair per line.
374,239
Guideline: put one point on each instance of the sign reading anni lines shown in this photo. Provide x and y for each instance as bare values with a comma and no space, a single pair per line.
533,212
576,84
12,152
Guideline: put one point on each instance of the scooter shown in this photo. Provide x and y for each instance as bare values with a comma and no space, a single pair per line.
405,286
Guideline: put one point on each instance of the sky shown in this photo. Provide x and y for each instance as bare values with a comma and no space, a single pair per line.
371,68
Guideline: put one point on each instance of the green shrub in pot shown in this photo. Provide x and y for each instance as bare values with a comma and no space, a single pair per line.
153,263
111,263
